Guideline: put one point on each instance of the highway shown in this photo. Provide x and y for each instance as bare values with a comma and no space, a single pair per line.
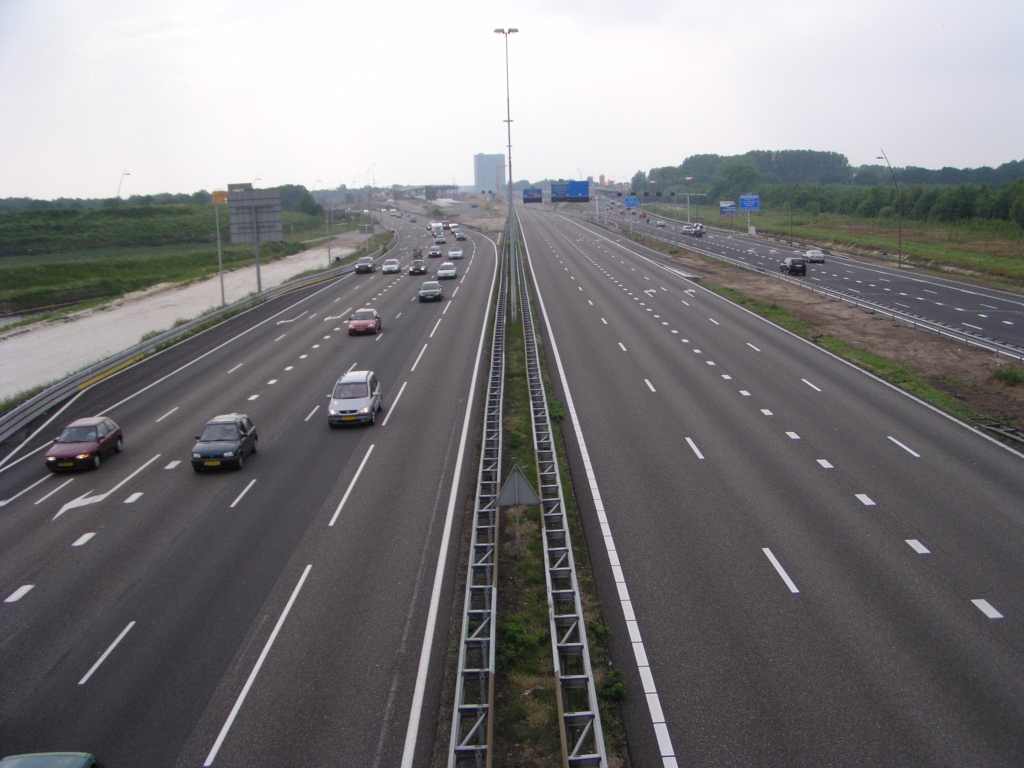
987,313
292,613
800,564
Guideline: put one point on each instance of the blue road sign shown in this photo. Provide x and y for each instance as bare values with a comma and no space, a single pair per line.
570,191
533,195
632,202
750,202
727,207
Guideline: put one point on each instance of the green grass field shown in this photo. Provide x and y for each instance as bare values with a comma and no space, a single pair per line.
990,249
51,259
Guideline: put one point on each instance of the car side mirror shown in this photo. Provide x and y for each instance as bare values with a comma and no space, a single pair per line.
197,437
56,439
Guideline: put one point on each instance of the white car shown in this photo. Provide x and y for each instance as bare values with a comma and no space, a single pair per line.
390,267
814,256
446,271
455,253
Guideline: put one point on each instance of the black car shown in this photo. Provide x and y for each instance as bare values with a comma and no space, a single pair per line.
434,252
365,264
418,267
225,440
793,265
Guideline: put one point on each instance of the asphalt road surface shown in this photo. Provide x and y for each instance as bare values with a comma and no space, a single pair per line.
800,565
277,615
985,312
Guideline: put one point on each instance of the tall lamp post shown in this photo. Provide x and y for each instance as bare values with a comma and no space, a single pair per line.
508,113
120,181
899,202
775,157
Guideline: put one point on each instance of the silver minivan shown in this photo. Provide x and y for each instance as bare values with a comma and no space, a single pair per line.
356,399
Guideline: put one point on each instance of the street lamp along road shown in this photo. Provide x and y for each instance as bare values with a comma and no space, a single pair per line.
775,157
120,181
508,112
899,202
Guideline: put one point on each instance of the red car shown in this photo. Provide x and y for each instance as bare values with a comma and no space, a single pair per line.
365,320
84,443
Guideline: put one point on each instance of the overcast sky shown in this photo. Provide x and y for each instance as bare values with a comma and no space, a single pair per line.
194,94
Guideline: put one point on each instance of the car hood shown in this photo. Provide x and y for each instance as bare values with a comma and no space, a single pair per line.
70,450
215,448
361,323
350,404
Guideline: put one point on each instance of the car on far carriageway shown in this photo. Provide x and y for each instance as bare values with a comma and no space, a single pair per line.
390,267
365,320
446,271
356,399
84,443
431,291
814,256
434,252
455,253
418,267
225,441
365,264
793,265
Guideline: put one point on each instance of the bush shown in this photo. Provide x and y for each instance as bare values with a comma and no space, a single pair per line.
1011,377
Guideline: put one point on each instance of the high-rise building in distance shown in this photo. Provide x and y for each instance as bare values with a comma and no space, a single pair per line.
489,173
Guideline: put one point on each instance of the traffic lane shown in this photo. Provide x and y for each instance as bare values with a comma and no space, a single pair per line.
782,380
645,471
370,600
321,387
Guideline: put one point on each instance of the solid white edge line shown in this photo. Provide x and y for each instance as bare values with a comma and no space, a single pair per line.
43,426
106,653
244,491
913,453
351,485
392,408
781,571
625,602
255,670
416,709
23,491
418,358
696,450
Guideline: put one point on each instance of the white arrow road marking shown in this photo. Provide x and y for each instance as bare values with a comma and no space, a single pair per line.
85,499
282,322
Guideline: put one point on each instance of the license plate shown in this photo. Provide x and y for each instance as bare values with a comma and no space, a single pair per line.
348,418
211,463
66,464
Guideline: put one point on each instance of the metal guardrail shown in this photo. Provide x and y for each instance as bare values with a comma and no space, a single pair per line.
580,718
472,724
25,413
1005,349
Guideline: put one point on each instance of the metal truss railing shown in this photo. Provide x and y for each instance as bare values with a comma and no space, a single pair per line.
472,725
582,737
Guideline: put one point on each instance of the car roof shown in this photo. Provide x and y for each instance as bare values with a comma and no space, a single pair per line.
226,418
49,760
88,421
354,376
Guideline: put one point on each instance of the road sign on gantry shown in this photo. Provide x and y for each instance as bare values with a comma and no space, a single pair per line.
750,202
631,202
533,195
254,213
570,191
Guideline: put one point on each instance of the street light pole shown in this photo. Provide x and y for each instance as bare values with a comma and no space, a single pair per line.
899,202
123,174
508,113
775,157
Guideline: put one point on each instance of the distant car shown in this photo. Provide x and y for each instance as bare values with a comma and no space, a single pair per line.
814,256
434,252
356,399
687,229
460,235
418,267
51,760
446,271
431,291
660,224
398,215
84,443
366,320
365,264
455,253
793,265
390,267
440,240
225,440
412,218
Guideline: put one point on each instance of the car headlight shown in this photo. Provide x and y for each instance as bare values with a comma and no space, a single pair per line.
51,458
332,412
196,456
364,410
83,456
229,454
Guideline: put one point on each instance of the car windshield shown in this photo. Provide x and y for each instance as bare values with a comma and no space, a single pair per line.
365,260
430,287
350,390
367,315
219,433
78,435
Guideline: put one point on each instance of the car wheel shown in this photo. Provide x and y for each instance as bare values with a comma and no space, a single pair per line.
96,461
119,445
240,462
373,418
254,446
